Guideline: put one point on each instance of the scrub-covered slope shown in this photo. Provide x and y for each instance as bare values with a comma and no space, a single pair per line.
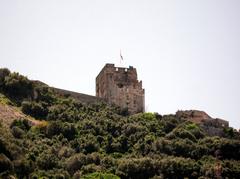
46,134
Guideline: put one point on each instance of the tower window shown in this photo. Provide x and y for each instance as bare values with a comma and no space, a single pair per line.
120,85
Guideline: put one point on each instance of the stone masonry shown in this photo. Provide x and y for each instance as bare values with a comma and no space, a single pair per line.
201,117
120,86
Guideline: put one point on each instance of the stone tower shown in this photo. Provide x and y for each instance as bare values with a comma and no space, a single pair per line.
120,86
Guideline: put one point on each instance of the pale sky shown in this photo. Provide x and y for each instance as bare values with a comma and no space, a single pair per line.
187,52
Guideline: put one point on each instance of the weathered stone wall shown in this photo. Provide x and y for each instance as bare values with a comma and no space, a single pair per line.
83,98
201,117
120,86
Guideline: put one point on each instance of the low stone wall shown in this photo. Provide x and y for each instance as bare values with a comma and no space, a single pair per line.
83,98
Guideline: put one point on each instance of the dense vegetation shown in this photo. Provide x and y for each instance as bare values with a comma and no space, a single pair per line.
75,140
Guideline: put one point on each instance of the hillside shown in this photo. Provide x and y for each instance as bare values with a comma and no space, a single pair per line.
46,134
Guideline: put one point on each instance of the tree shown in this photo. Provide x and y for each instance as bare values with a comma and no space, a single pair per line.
17,86
34,109
136,168
54,128
75,163
4,72
5,163
47,161
17,132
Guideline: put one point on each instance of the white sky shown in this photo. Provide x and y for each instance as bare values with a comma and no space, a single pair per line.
187,52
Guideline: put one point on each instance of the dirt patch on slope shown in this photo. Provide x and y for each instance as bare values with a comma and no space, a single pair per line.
9,113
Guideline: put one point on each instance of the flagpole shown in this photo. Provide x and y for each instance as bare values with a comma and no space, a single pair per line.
121,57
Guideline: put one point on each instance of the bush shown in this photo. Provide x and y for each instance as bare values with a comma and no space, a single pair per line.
123,111
98,175
44,94
177,167
47,161
54,128
195,130
86,144
23,168
91,168
17,86
53,174
9,147
136,168
75,163
65,152
66,129
149,116
37,110
5,163
4,72
23,124
181,133
17,132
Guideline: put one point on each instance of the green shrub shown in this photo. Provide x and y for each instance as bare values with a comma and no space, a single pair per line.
53,128
4,72
44,94
91,168
17,86
17,132
23,124
37,110
66,129
75,163
5,163
177,167
9,146
23,168
98,175
65,152
136,168
149,116
53,174
47,161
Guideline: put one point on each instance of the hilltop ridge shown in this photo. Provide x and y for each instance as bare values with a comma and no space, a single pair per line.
47,133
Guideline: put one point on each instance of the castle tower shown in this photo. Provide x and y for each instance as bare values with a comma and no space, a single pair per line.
120,86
